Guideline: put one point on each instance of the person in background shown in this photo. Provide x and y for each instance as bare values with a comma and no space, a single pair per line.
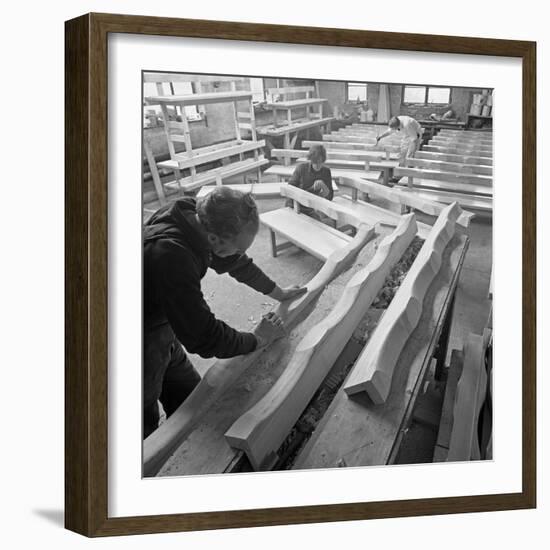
411,132
181,241
314,177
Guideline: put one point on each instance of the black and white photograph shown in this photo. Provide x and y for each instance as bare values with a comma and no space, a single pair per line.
317,273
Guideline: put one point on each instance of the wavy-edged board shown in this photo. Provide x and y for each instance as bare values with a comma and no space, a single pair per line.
373,371
403,197
262,429
158,447
470,394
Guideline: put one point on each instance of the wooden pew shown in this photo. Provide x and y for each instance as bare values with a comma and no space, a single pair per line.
285,172
315,237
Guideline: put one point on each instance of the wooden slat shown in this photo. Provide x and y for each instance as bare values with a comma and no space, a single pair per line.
296,126
457,151
296,103
287,171
262,429
373,371
443,166
198,157
447,157
468,188
454,177
210,176
258,190
198,99
476,203
291,90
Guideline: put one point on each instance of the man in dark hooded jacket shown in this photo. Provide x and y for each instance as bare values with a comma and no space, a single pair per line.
179,246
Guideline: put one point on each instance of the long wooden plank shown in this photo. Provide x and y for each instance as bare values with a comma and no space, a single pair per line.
257,190
342,154
465,412
356,432
295,126
374,369
454,177
469,146
477,203
287,171
296,103
262,429
445,186
158,447
198,157
449,157
443,166
198,99
454,150
218,174
291,90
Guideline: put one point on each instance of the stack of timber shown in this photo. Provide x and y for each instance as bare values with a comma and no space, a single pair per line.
374,369
263,428
178,132
196,417
354,431
288,101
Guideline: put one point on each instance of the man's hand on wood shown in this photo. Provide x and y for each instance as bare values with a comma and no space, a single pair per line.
269,329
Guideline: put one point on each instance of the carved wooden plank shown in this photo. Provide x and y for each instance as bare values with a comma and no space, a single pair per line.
162,442
373,371
262,429
463,444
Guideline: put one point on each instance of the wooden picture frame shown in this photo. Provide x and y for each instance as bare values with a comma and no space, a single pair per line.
86,230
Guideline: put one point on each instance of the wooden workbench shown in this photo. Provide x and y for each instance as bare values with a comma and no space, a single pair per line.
354,431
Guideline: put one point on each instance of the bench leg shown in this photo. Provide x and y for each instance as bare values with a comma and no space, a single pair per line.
273,243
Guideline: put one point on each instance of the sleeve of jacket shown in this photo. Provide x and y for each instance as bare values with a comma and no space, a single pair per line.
296,178
244,270
194,325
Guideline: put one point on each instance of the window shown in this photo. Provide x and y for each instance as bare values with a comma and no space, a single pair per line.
439,95
426,95
171,88
257,89
357,91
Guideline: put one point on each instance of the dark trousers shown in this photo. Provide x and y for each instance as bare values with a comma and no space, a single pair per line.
168,375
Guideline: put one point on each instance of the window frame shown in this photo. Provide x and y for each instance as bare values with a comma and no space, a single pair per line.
425,103
348,99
